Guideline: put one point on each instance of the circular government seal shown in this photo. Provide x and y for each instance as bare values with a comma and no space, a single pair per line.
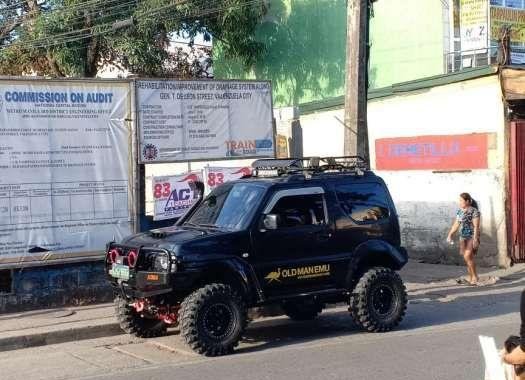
150,152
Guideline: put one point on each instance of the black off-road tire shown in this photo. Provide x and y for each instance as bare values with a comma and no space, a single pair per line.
301,310
368,307
212,320
133,323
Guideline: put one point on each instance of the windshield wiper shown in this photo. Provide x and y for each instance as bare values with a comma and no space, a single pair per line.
209,225
201,225
190,224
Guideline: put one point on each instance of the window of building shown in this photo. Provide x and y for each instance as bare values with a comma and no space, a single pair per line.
514,3
364,203
300,210
508,3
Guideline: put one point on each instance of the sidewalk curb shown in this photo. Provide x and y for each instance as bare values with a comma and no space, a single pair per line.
108,329
59,336
95,331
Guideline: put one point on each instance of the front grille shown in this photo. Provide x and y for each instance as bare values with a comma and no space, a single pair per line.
145,256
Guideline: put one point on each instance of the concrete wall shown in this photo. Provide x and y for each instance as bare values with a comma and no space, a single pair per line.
426,200
305,51
323,133
55,286
306,44
407,39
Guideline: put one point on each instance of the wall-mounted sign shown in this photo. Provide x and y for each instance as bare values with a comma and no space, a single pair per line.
517,57
514,18
448,152
204,120
474,25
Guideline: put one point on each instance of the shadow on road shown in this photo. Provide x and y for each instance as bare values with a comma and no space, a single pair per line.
469,304
282,331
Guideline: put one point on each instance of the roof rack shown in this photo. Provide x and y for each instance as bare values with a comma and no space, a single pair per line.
309,166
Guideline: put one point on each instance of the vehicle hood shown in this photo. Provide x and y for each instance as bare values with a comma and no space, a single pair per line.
194,244
168,237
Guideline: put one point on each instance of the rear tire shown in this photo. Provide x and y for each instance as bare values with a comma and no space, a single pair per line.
132,323
302,310
213,319
379,300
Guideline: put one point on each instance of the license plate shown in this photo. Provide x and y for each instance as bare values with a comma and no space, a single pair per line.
120,271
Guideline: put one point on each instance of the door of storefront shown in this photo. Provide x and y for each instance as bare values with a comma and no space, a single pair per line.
517,188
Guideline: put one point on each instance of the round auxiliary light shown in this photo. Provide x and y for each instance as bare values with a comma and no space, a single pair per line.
113,254
132,259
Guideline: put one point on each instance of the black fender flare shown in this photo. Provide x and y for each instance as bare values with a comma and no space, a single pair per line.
374,253
243,273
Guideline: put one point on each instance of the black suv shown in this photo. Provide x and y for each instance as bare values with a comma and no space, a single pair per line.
300,233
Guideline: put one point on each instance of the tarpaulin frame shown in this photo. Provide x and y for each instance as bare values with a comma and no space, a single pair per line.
52,257
168,161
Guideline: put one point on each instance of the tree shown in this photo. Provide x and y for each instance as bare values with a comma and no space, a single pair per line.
79,37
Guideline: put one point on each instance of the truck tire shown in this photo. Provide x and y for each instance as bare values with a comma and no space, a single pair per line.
379,300
213,319
133,323
302,310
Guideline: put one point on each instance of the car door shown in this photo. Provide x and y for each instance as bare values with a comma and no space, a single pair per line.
289,258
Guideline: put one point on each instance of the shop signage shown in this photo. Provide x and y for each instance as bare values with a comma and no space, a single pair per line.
448,152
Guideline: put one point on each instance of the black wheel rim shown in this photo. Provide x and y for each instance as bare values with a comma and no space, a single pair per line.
218,321
383,300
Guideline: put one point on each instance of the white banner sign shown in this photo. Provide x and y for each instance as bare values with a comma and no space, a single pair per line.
474,25
204,120
174,195
64,167
217,176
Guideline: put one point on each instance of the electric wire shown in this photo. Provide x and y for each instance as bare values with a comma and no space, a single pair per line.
105,28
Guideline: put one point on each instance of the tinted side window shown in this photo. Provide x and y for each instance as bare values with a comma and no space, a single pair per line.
364,203
300,210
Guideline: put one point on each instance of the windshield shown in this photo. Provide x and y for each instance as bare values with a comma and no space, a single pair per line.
229,207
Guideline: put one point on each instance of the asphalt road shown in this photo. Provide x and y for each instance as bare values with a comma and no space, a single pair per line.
438,340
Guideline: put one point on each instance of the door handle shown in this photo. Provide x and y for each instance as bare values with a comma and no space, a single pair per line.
324,236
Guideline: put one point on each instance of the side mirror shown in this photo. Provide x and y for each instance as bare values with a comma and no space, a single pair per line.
270,221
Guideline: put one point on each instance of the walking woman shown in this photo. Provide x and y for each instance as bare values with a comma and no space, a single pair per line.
468,223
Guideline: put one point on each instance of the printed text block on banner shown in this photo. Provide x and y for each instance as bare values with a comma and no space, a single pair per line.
65,168
204,120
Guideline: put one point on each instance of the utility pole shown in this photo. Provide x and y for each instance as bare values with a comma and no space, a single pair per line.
357,53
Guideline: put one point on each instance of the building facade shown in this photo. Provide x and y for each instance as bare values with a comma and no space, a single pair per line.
431,140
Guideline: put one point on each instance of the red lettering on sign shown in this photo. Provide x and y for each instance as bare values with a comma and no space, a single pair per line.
447,152
162,190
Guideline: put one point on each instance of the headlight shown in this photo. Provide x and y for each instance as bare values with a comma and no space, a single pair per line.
173,263
161,262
